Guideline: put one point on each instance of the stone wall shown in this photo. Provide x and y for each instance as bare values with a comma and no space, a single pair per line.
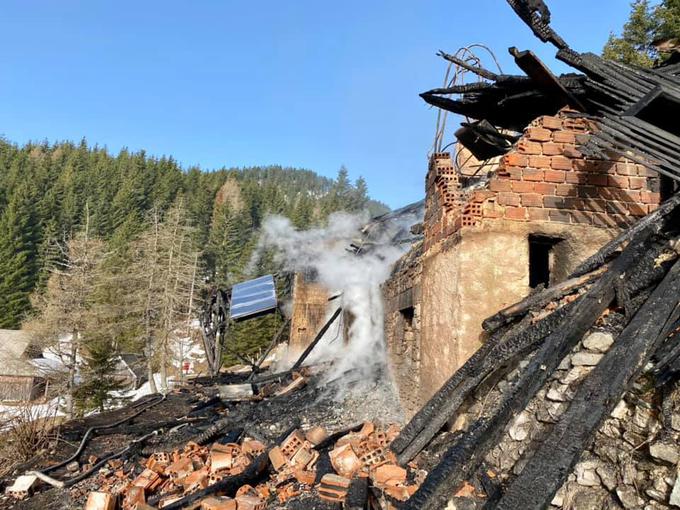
633,463
403,296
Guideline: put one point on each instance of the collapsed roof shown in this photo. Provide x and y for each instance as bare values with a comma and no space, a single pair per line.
635,110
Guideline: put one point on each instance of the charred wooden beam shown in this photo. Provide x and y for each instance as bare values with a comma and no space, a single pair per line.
595,399
539,300
316,340
479,71
540,74
532,12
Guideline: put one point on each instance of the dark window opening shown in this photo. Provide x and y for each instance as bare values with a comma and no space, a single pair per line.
540,259
407,317
667,187
659,108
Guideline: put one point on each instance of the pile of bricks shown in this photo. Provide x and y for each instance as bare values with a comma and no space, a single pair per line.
169,477
172,476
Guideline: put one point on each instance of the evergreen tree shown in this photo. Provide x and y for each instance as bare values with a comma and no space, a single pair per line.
18,264
645,25
99,384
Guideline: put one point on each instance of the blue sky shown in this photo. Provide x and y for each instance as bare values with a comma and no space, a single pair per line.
236,83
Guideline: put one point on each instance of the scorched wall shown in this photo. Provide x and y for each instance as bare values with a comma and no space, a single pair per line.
489,240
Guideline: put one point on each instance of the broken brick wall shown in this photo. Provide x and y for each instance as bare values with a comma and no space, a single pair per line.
476,259
310,303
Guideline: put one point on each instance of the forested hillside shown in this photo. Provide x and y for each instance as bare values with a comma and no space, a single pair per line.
116,252
45,190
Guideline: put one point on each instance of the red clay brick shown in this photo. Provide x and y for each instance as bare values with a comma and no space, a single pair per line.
626,168
637,209
566,190
532,200
561,163
643,171
616,207
617,181
527,147
553,123
553,202
575,124
571,152
637,182
582,217
574,203
539,161
537,134
554,176
628,196
544,188
538,214
522,186
515,159
589,192
560,215
598,179
514,172
594,204
650,198
508,199
564,137
532,174
603,220
552,149
516,213
500,185
576,178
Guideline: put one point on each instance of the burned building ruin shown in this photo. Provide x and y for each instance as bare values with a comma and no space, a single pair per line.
532,329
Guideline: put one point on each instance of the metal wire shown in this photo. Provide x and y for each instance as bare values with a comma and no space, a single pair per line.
457,75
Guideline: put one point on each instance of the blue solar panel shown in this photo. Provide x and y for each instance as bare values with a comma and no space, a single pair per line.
253,297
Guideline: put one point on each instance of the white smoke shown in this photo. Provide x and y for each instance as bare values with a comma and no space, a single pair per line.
357,278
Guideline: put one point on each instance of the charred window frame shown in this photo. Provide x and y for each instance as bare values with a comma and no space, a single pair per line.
541,259
659,109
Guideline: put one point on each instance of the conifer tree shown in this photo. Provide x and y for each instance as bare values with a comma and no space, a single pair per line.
645,25
18,265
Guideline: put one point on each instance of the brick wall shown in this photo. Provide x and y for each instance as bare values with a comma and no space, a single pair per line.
544,178
310,304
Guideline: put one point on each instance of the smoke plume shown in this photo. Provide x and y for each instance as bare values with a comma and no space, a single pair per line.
355,276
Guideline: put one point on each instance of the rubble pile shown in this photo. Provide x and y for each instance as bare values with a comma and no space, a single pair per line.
166,478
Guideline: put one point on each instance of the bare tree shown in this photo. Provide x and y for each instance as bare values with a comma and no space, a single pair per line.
65,309
163,283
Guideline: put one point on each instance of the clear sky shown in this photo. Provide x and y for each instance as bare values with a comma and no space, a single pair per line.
235,83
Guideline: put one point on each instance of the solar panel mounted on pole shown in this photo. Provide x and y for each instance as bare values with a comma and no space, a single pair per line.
253,298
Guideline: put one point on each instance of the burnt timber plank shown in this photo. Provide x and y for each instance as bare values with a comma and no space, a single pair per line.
595,399
528,62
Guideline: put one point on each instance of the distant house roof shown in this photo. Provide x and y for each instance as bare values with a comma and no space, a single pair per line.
136,365
15,351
